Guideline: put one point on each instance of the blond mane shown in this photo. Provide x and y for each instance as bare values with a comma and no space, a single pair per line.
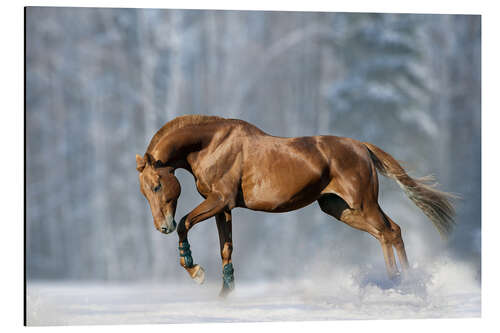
179,122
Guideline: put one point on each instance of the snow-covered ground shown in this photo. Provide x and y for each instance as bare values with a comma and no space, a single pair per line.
446,290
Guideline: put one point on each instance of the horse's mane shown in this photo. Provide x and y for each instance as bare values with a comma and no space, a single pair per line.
179,122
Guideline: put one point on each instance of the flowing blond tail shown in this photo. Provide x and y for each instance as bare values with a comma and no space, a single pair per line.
434,203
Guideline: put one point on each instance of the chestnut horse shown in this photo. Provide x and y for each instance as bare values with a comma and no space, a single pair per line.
235,164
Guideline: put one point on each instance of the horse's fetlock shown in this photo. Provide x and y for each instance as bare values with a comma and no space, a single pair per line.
228,276
185,253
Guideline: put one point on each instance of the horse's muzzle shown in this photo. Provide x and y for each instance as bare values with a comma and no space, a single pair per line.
167,230
168,226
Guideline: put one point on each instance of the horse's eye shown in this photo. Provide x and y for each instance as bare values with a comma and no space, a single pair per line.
157,188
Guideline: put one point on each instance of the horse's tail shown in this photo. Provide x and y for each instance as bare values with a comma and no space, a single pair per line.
434,203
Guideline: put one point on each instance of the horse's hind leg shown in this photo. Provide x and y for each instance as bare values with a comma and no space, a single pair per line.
397,242
369,219
224,226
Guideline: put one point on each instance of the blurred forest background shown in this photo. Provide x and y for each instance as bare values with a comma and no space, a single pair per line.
101,82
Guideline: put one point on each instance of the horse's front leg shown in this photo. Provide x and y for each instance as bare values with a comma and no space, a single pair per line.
208,208
224,226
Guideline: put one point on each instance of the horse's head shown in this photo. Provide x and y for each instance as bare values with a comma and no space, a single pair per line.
161,188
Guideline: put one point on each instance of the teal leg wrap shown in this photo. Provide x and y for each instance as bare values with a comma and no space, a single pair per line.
228,277
186,253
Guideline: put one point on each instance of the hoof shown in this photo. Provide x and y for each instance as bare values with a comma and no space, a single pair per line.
199,274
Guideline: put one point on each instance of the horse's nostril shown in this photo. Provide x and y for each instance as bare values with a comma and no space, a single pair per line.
164,230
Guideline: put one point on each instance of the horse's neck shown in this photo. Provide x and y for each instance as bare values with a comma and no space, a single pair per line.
174,148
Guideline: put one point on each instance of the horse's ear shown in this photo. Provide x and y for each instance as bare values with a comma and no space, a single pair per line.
141,163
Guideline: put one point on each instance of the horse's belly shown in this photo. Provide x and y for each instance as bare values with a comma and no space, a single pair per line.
282,191
272,200
283,174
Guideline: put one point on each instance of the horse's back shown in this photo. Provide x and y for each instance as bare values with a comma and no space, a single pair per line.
277,174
